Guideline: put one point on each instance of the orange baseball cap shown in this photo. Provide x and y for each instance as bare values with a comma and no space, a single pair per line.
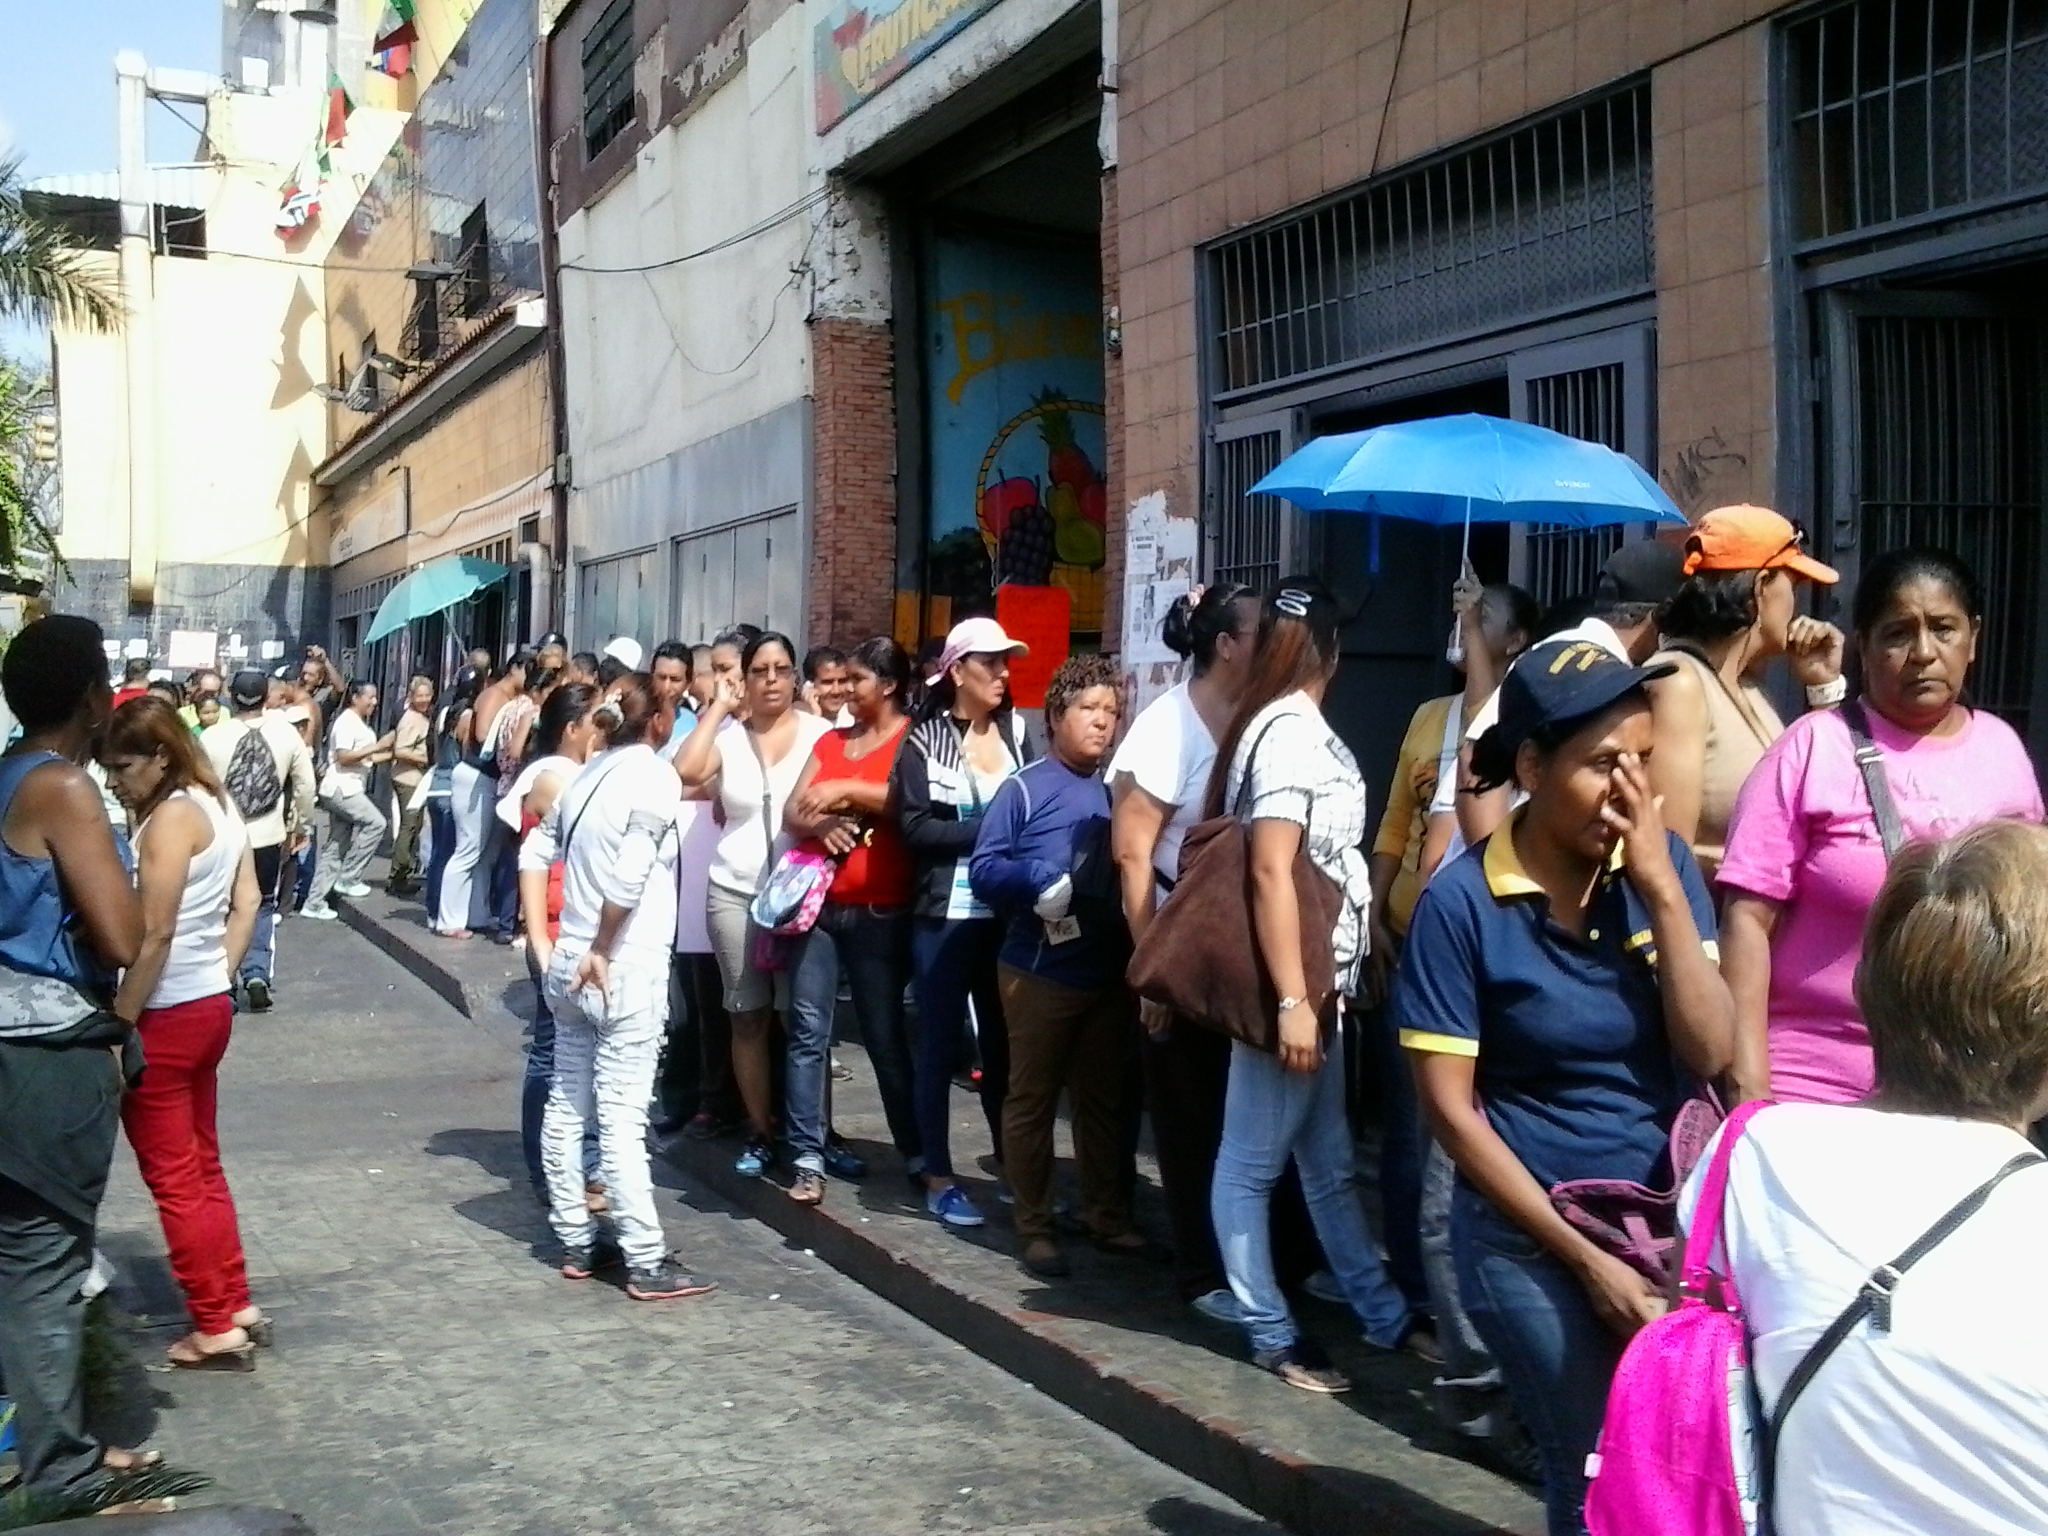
1746,538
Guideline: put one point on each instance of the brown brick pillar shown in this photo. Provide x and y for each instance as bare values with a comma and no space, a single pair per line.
1113,423
853,525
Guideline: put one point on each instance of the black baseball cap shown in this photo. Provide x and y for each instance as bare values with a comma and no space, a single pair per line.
249,688
1554,684
1641,571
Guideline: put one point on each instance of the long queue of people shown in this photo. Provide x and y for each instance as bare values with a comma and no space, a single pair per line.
1612,895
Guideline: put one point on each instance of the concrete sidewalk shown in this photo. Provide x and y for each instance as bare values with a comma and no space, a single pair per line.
1114,1342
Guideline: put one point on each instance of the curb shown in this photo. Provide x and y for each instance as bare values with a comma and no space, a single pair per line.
1307,1498
410,946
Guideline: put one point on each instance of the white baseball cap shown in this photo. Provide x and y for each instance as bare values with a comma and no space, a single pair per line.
975,637
626,651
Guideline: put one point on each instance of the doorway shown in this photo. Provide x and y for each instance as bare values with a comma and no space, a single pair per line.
1934,436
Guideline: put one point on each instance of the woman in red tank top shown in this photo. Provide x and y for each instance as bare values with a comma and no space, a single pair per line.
841,802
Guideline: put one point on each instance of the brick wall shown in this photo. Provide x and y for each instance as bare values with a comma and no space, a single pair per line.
1230,111
1113,428
853,527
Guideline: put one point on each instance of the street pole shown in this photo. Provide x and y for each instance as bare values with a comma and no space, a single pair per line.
137,330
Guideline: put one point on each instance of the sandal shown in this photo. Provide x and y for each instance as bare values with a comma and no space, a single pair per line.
132,1463
809,1188
240,1358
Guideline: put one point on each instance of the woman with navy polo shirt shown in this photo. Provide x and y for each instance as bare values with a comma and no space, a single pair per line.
1558,995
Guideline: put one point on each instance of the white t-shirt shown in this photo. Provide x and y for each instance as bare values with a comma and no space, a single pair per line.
1168,753
742,853
614,829
197,965
1940,1425
350,733
512,804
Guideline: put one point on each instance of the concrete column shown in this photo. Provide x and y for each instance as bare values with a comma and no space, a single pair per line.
138,330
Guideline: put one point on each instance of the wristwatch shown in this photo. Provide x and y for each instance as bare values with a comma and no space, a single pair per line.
1833,691
1289,1004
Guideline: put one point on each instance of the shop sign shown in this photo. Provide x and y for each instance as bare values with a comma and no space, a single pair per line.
374,523
861,48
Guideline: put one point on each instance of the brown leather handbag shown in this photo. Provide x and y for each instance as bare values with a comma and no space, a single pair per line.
1201,957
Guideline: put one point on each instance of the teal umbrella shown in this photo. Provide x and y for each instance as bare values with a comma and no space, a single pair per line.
437,585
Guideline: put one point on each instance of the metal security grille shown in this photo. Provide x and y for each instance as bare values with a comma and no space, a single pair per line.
608,77
1950,456
1553,215
1248,533
1587,403
1906,108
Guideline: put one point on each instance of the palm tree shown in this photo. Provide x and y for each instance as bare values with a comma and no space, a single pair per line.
43,276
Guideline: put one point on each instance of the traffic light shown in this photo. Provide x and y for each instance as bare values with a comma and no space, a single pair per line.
43,438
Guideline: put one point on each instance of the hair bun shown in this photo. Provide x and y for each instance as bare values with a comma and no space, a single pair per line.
1178,630
608,715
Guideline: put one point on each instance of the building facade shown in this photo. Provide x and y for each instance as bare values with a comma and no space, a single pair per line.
441,408
1774,252
189,436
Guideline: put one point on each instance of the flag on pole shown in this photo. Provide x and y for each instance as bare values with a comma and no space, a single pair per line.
339,105
399,28
301,194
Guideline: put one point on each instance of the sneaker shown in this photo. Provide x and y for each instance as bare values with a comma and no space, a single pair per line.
756,1160
841,1072
1302,1365
843,1163
667,1281
1422,1343
952,1206
355,890
1220,1306
256,994
1324,1287
319,911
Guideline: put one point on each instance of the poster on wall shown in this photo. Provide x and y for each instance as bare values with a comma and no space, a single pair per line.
1014,387
860,48
1159,567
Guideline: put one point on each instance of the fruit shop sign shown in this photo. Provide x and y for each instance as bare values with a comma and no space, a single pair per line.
861,48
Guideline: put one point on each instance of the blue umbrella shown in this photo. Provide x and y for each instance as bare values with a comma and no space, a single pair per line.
1464,469
437,585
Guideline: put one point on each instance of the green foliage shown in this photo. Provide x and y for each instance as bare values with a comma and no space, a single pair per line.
43,276
26,486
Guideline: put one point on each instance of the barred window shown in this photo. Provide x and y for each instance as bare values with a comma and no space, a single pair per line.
608,77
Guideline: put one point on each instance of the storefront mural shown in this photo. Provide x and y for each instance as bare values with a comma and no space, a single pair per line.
861,48
1013,370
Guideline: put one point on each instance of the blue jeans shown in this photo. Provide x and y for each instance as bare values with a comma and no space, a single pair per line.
956,963
540,1076
873,944
440,844
1556,1357
261,960
1270,1115
304,868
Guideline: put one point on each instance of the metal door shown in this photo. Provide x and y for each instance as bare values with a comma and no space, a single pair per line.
1253,539
1934,431
1598,388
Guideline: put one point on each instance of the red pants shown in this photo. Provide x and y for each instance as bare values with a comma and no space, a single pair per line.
169,1120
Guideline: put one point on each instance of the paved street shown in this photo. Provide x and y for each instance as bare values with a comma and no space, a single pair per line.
433,1373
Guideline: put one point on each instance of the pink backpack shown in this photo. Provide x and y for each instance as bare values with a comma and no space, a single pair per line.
1675,1454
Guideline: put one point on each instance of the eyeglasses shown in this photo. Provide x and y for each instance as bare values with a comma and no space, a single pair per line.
772,674
1293,602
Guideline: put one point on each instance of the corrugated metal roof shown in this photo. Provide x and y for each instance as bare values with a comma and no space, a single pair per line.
180,186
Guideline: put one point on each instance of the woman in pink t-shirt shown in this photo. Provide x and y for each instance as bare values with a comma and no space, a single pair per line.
1804,858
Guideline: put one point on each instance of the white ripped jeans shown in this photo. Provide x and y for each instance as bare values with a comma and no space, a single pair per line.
605,1053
